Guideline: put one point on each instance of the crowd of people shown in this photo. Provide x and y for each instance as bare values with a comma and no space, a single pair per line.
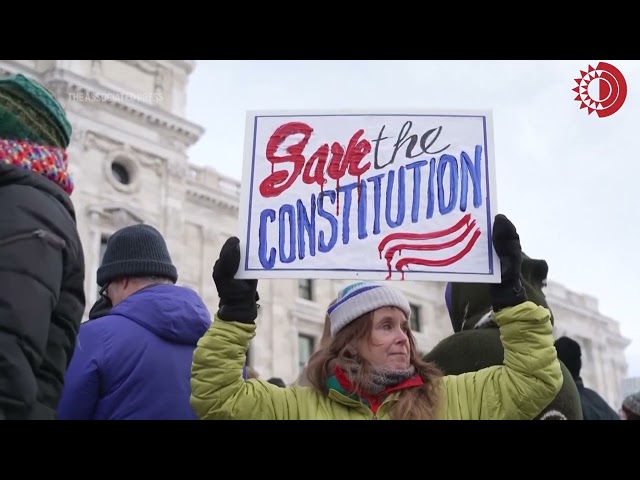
152,350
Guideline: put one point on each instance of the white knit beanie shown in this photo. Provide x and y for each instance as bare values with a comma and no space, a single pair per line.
360,298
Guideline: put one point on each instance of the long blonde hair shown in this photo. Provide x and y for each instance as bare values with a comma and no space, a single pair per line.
416,403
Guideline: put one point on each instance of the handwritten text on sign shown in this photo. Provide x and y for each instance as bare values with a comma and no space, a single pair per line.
369,196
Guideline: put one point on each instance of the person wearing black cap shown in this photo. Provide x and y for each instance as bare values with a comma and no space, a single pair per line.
594,407
133,362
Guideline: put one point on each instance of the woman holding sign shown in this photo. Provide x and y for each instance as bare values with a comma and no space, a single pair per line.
371,369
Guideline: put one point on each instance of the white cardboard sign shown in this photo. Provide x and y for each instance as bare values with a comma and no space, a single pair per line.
369,196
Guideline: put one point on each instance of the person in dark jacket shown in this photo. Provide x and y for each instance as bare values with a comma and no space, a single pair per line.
134,362
594,407
100,308
41,257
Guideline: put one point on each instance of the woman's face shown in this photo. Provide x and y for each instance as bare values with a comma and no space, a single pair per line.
388,346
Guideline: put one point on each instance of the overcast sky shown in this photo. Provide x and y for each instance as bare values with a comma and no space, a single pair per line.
568,180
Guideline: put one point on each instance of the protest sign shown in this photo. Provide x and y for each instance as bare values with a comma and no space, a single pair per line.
369,196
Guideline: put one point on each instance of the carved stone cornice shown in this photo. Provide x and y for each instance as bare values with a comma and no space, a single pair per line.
90,140
205,186
150,66
115,216
15,68
96,141
305,310
186,65
212,200
177,169
146,66
66,84
153,68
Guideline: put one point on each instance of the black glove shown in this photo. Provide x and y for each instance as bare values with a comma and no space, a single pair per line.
506,241
238,298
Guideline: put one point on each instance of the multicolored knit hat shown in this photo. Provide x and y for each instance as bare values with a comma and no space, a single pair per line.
34,130
50,162
359,298
28,111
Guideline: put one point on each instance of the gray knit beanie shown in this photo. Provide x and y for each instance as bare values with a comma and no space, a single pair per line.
136,251
360,298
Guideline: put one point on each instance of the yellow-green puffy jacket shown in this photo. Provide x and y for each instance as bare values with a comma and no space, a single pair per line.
527,382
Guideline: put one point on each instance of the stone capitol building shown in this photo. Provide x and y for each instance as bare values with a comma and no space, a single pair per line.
129,159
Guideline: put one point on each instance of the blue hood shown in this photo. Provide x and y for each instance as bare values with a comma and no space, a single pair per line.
173,313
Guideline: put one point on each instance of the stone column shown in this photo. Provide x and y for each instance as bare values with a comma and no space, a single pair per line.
92,260
173,204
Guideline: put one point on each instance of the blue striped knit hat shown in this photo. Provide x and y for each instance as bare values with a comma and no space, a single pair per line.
360,298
